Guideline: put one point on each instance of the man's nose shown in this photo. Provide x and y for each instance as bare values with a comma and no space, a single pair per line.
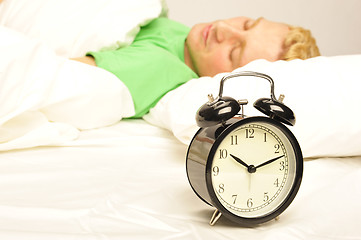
227,32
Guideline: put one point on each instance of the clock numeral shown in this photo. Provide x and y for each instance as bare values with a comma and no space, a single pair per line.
221,188
215,171
249,133
282,165
265,137
277,147
276,183
234,140
250,202
234,198
265,197
223,153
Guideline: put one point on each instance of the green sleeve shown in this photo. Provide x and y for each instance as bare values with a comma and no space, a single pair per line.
148,72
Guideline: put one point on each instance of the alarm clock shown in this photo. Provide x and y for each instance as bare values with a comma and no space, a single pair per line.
249,168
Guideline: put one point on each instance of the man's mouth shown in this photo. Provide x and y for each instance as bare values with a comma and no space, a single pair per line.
205,33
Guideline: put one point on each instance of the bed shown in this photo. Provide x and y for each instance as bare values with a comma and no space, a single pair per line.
128,181
71,170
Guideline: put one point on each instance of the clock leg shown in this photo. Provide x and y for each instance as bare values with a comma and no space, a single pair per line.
216,215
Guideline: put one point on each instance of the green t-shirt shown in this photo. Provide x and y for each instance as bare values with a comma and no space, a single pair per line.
152,65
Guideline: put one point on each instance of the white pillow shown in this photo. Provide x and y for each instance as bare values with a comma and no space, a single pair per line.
73,27
323,92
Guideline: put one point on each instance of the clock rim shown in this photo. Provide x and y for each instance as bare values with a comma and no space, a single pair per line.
251,221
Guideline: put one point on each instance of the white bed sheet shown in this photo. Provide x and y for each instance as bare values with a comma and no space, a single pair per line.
128,181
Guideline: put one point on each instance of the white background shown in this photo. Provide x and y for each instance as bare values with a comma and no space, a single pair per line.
335,24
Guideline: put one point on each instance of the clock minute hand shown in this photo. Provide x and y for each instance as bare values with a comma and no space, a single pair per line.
239,160
269,161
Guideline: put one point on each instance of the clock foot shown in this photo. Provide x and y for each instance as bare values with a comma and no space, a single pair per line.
216,215
277,218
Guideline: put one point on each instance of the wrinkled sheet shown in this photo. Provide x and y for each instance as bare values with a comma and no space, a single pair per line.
128,181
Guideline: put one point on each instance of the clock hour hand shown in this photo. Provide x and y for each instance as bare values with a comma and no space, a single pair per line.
240,161
269,161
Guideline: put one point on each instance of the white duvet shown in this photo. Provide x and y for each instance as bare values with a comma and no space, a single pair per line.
44,97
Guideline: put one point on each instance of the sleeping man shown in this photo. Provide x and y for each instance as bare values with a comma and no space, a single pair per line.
166,54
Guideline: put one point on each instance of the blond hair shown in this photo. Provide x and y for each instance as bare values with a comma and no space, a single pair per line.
299,44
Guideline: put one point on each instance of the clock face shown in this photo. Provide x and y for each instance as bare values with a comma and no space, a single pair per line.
253,169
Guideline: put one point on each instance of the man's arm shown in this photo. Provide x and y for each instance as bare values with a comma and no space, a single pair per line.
87,59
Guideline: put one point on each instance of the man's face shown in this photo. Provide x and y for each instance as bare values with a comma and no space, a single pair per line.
225,45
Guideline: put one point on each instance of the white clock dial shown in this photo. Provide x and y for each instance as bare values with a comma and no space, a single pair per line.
253,169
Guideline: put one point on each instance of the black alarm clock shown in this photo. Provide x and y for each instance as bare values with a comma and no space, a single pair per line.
248,168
